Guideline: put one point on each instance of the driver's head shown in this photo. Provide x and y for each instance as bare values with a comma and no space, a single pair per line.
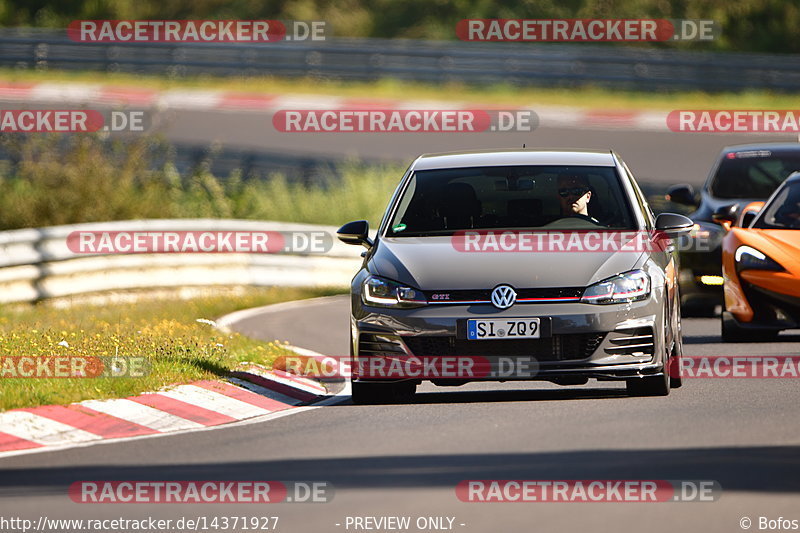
574,194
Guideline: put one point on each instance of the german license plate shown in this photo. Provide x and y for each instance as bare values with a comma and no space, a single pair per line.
503,328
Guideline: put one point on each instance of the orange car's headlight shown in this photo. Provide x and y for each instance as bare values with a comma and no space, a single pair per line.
748,258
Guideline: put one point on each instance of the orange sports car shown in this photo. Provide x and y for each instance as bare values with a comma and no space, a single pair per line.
761,265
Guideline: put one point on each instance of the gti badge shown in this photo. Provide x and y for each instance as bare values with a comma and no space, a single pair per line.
504,296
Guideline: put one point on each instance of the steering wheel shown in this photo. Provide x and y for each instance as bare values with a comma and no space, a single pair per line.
573,222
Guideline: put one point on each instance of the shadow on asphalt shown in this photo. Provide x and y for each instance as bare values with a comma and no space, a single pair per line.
701,339
493,396
768,469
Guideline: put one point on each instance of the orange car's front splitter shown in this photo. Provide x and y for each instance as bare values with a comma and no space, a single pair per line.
777,282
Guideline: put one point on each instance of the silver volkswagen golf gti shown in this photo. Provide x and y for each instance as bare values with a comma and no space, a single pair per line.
515,265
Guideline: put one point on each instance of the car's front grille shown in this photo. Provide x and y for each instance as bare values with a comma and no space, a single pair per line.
634,341
547,294
556,348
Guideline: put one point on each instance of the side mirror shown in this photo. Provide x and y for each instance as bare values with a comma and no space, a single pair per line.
726,215
672,223
356,232
681,194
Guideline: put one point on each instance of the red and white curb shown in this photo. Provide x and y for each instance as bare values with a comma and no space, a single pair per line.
190,407
199,99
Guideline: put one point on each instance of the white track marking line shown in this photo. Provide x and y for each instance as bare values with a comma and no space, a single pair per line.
41,430
141,414
214,401
294,384
314,386
324,103
57,92
262,391
189,99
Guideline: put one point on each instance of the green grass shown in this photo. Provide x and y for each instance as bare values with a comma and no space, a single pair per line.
165,332
499,94
56,175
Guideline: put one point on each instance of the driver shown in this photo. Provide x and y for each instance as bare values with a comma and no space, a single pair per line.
574,194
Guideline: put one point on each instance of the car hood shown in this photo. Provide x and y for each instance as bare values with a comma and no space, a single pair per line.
784,238
783,245
433,263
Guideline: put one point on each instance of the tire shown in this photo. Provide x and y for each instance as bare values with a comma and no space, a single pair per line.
673,364
382,393
657,385
660,384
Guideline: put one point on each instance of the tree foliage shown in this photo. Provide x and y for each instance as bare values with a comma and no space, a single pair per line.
747,25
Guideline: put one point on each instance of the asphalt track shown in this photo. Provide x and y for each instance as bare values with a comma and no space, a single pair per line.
405,460
654,157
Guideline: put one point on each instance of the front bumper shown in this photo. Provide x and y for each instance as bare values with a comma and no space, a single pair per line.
606,342
769,309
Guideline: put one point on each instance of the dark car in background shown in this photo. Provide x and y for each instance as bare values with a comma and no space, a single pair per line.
740,175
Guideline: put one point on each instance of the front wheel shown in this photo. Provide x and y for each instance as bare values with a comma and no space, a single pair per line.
657,385
675,361
381,393
649,385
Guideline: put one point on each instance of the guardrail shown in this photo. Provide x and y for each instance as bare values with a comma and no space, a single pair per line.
421,61
37,264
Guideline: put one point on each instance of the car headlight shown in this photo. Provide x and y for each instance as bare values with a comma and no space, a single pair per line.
380,292
748,258
628,287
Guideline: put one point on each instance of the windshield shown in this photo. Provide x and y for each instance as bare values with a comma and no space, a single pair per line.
753,174
783,212
440,202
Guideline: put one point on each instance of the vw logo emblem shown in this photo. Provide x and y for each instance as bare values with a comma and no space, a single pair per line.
504,296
